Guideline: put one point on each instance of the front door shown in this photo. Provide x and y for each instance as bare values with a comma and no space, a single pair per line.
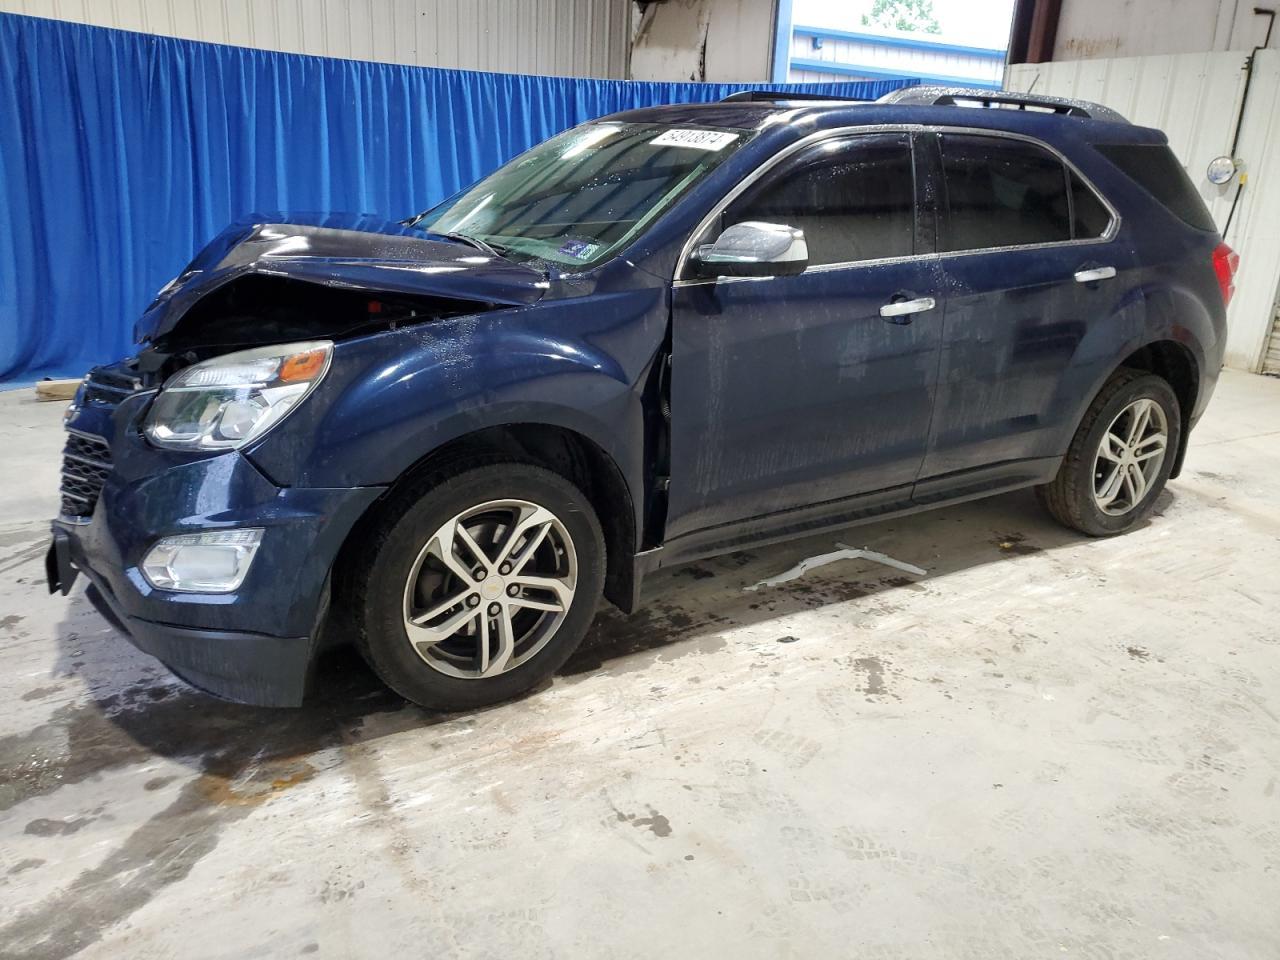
794,391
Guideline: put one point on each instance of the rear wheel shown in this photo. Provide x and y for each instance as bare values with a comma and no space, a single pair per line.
1120,457
480,587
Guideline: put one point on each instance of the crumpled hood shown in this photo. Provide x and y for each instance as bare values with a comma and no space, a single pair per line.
349,251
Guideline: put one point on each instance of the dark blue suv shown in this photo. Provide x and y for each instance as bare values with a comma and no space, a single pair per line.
659,336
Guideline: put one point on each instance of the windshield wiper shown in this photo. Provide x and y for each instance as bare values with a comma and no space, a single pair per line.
476,242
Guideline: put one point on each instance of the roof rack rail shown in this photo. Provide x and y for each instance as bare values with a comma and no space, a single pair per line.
1008,99
770,96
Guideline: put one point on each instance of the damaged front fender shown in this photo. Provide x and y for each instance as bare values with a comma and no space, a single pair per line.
393,398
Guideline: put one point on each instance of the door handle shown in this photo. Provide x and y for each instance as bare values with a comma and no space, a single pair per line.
1095,273
903,308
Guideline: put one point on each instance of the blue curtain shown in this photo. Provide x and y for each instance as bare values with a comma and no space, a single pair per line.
121,154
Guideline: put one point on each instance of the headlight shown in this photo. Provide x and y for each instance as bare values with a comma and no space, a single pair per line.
224,403
212,562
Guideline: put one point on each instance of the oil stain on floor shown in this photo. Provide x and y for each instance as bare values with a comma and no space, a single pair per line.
241,757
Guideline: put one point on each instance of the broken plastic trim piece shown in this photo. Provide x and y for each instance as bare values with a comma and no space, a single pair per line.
844,552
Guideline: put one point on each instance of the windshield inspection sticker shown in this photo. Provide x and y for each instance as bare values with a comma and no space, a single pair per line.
579,248
697,139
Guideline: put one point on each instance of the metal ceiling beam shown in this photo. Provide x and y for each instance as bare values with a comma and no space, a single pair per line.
1034,31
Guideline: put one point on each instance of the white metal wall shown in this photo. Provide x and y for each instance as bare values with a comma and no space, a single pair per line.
585,38
909,63
1089,29
1194,98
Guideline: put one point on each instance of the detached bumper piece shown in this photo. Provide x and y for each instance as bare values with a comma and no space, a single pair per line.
58,568
249,668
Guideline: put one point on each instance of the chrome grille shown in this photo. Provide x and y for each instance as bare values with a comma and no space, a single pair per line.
109,388
86,461
86,458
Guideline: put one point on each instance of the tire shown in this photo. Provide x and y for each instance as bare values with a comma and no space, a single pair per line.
1077,496
408,540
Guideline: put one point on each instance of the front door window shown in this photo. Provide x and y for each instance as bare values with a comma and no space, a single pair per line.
852,202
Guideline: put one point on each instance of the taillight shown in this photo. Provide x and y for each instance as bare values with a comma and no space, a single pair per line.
1225,263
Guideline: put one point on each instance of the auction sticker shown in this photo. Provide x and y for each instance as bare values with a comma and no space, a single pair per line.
697,139
580,249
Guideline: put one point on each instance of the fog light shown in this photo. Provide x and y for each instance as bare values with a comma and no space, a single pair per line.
212,562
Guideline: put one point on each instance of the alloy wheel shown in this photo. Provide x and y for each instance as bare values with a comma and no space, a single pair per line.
490,588
1130,456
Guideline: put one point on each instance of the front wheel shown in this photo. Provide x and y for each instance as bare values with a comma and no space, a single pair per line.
1120,457
480,587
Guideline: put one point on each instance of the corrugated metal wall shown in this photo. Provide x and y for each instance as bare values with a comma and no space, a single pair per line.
1271,359
1088,29
907,63
1194,98
583,38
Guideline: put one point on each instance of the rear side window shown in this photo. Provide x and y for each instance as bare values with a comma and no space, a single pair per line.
1156,168
1002,193
854,199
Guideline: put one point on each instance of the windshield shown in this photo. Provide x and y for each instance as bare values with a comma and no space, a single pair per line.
575,199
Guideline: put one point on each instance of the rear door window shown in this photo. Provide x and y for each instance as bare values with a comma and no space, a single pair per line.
1002,193
1089,216
854,199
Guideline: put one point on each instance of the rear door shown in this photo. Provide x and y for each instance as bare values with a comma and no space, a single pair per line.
791,392
1024,247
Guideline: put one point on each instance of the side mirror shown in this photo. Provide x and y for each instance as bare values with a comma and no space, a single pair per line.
754,249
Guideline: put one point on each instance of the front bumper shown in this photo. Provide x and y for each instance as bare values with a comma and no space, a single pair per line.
254,645
250,668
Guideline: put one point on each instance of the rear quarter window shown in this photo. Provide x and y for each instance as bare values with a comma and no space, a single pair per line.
1156,169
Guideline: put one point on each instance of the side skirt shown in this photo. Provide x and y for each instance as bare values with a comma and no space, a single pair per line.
900,501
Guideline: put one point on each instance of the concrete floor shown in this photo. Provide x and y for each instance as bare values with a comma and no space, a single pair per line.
1045,746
